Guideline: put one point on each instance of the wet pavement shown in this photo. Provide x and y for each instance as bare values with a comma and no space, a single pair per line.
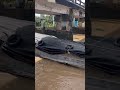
51,75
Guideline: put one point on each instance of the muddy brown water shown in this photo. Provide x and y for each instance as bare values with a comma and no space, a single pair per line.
11,82
78,37
51,75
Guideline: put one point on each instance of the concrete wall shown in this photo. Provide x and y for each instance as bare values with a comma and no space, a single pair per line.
50,7
66,35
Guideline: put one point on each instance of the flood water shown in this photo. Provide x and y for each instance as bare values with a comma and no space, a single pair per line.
51,75
11,82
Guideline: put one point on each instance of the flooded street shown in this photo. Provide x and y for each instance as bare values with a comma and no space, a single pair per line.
51,75
11,82
79,37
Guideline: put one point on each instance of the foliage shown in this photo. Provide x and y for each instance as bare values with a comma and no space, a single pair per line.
45,21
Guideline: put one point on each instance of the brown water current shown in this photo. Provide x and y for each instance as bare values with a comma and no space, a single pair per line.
51,75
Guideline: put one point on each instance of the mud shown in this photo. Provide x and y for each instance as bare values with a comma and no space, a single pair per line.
51,75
